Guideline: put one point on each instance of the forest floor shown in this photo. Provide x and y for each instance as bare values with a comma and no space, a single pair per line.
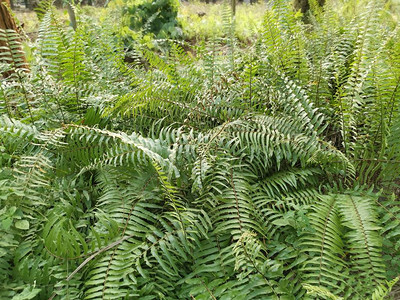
199,20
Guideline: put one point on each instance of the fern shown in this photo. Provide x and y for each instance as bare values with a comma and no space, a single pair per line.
230,171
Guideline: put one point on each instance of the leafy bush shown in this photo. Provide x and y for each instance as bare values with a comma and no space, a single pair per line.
157,17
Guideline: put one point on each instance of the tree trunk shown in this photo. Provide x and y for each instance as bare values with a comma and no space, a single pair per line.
71,14
233,6
304,5
7,22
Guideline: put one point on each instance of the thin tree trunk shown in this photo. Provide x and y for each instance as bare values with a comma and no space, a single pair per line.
7,22
233,4
71,14
304,5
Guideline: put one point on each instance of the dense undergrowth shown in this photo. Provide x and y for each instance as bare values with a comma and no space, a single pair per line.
264,172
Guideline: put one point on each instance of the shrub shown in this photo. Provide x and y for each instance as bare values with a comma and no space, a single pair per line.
158,17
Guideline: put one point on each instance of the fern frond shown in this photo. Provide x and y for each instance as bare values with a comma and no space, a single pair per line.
325,246
364,241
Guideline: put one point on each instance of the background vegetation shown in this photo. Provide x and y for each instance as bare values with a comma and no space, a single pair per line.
251,160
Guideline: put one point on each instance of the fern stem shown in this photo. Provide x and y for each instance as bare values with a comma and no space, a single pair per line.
237,201
123,234
208,290
87,260
257,270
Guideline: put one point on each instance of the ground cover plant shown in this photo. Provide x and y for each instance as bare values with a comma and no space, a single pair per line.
220,170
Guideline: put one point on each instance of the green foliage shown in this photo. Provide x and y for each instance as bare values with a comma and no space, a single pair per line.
263,173
202,21
156,17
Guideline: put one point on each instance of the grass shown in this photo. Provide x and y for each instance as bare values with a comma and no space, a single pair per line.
202,21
